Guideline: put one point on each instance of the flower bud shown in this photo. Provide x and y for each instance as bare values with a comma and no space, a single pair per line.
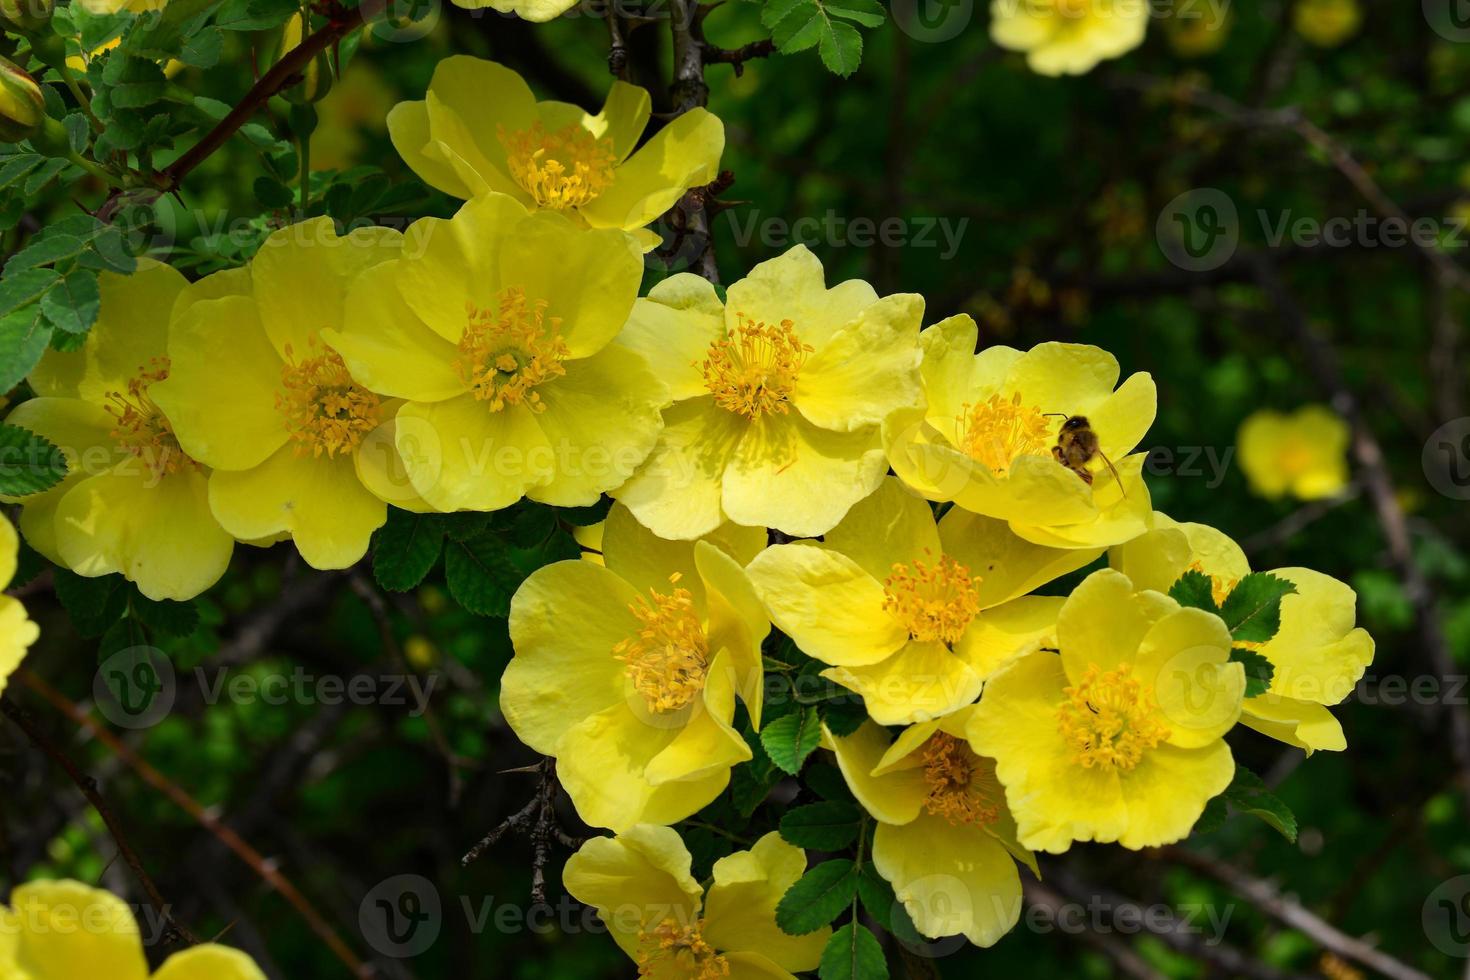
22,106
25,16
317,80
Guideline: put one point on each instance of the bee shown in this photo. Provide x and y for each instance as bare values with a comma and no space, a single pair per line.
1077,444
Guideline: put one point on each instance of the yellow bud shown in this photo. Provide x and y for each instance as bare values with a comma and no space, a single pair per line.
22,106
317,77
25,16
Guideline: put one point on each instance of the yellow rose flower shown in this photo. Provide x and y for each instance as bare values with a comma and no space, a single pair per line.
1327,23
536,11
945,838
627,672
987,437
1119,736
1318,654
64,930
496,328
911,614
133,500
1303,453
1068,37
254,393
641,886
17,632
779,393
479,129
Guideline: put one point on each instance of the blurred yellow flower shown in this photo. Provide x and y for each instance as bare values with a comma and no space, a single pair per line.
667,923
17,632
987,438
1318,655
913,615
65,930
1194,32
1327,23
357,104
133,500
627,672
945,838
1303,454
496,328
536,11
779,393
1116,735
479,129
1068,37
295,445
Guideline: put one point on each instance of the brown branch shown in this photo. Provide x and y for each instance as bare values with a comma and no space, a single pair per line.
1128,962
281,76
88,787
737,57
262,866
536,820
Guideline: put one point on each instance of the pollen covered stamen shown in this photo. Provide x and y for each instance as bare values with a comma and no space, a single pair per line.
997,431
668,658
506,352
673,950
326,411
963,787
752,370
933,600
565,169
142,429
1109,719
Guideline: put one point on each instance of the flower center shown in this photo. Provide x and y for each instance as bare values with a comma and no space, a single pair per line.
933,601
564,169
506,352
963,788
1109,719
142,429
1072,9
326,412
673,950
752,371
668,658
996,432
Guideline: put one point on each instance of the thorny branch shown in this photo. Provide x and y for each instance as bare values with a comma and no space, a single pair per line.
536,820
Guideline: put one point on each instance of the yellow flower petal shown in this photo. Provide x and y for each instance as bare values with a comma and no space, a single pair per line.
1105,620
891,525
679,489
737,620
867,370
468,102
1184,659
1002,633
740,909
388,349
684,154
623,118
461,456
952,879
209,962
408,127
1304,724
920,682
948,365
70,930
792,287
1317,653
827,604
1007,565
895,796
17,633
673,329
706,746
1168,790
633,880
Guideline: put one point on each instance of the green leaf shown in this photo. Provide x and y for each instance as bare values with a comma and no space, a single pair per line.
776,11
24,288
78,132
1258,671
869,13
878,900
28,462
844,716
822,826
790,739
134,83
164,616
480,575
18,166
818,897
72,304
1253,608
44,175
406,549
93,604
799,30
45,250
853,953
24,336
1248,794
1194,590
272,193
203,49
841,48
827,781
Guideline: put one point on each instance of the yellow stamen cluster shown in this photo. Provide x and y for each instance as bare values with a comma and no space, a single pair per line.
1109,719
933,600
142,429
668,658
752,370
326,411
506,352
997,431
963,788
564,169
1073,9
673,950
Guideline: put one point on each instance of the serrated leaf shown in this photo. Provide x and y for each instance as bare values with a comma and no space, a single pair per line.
93,604
1194,590
406,549
1252,611
853,953
18,166
24,337
1248,794
43,175
78,132
843,716
73,303
869,13
203,49
272,193
164,616
28,462
25,287
818,897
822,826
1258,671
776,11
480,575
45,251
798,30
790,739
827,781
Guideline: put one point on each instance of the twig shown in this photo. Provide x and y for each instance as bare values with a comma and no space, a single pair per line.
1121,953
1294,523
737,57
537,820
262,866
88,787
